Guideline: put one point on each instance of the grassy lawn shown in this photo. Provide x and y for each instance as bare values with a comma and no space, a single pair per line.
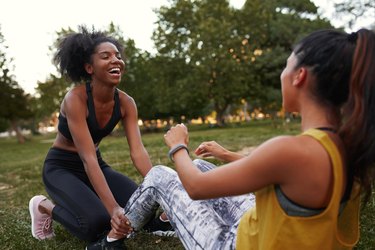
20,179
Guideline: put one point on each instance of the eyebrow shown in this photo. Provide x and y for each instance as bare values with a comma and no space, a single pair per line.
108,53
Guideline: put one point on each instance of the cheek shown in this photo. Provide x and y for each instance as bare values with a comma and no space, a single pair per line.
282,79
285,89
123,65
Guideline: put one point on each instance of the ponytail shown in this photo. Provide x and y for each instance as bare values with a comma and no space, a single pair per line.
358,113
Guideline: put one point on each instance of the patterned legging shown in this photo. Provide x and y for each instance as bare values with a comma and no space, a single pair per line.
200,224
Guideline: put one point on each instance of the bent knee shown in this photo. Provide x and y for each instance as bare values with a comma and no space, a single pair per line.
203,165
158,174
94,228
162,170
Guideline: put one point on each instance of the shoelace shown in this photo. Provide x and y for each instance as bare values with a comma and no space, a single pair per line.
46,227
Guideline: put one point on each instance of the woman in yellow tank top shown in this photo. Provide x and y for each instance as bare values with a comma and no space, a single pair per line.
307,186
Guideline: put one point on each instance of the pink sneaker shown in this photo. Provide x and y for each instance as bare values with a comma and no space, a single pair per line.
41,224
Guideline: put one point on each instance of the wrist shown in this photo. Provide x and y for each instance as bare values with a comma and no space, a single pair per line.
175,149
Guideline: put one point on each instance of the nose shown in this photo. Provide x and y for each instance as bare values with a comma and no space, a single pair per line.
115,59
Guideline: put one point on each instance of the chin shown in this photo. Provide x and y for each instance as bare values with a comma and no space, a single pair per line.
116,82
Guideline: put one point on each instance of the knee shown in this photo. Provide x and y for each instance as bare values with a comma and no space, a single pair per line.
160,170
203,165
159,173
198,161
95,227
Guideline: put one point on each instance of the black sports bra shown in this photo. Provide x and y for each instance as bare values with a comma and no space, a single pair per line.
97,133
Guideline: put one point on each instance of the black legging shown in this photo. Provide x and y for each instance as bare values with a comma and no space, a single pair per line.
78,208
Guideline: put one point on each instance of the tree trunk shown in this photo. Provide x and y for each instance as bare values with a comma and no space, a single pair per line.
20,137
220,111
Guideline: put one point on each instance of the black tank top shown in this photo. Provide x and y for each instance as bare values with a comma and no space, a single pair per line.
97,133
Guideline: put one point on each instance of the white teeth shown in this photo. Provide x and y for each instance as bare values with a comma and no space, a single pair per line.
114,70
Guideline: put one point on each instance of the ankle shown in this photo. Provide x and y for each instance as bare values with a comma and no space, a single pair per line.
163,217
112,236
46,206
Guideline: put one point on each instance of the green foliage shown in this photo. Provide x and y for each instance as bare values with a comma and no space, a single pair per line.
232,54
13,100
51,93
210,57
355,10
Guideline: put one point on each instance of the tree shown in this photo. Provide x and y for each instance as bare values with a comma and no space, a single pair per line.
50,94
269,29
13,100
231,54
193,35
355,10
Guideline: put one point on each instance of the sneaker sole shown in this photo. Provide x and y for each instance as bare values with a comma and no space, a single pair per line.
31,211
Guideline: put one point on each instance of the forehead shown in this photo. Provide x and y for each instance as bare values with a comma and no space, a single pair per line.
106,47
292,58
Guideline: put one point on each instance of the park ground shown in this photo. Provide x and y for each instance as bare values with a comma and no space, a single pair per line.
20,179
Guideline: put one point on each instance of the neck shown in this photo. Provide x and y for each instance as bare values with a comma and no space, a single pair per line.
317,116
102,92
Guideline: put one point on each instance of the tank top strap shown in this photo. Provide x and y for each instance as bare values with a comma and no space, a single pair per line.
337,166
90,100
117,108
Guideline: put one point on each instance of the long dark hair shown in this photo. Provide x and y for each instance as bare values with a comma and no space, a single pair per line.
75,49
344,67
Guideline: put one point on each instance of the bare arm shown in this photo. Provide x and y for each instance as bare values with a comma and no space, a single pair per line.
263,167
138,153
75,109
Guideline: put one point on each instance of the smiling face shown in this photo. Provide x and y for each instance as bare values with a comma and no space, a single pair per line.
106,64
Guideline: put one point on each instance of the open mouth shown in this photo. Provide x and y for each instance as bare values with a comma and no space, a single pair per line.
115,71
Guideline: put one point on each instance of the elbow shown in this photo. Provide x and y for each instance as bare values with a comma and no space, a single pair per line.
194,191
194,196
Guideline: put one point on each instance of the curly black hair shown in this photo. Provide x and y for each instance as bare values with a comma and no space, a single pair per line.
75,50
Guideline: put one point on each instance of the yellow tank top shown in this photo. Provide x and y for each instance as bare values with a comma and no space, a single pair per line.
267,226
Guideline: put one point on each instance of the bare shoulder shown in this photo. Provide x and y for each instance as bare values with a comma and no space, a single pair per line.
289,151
75,96
76,92
125,99
128,106
292,144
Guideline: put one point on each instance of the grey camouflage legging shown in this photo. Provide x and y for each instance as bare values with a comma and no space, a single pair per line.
200,224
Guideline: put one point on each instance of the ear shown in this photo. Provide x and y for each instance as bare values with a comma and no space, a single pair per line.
89,69
300,77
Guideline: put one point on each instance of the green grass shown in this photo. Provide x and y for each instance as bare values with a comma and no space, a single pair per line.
20,179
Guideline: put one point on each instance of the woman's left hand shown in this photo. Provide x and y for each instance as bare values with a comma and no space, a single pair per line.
177,135
119,223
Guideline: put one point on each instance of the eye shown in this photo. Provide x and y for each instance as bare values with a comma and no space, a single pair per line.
104,56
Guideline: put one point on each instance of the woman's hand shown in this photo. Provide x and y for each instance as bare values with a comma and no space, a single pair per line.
211,148
177,135
119,223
